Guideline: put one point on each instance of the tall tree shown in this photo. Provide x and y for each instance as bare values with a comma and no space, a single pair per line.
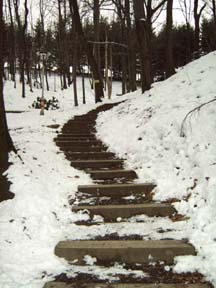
22,28
6,142
96,17
144,12
142,36
197,15
98,84
169,40
121,15
186,9
131,47
61,38
12,44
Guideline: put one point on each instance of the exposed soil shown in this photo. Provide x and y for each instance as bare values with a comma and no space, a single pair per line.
156,274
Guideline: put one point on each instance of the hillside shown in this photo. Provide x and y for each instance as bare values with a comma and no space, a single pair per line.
146,131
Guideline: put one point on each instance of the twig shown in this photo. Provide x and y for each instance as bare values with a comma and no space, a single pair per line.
111,43
182,134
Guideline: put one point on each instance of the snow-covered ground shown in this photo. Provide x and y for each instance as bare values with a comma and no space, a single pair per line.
146,131
39,216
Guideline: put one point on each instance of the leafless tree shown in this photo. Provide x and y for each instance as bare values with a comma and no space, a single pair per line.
169,41
22,28
98,84
197,14
6,144
144,13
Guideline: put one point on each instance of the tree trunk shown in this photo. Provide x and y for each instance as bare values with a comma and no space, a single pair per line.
142,36
22,41
46,78
96,16
98,84
74,69
12,44
197,28
83,86
124,59
66,52
61,46
131,54
106,63
169,40
109,84
6,144
197,15
214,11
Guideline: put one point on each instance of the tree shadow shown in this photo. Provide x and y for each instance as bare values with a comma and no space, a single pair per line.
5,193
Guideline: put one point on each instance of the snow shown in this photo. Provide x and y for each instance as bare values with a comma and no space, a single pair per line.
146,131
39,216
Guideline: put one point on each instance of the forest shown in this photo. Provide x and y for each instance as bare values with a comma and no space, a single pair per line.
125,37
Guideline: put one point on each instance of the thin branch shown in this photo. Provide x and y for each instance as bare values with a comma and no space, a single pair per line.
182,134
111,43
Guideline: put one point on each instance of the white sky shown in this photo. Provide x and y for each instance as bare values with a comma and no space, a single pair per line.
178,17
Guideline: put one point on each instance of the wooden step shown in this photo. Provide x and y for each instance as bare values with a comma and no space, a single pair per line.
66,137
112,174
112,212
78,130
117,190
90,155
124,251
78,143
78,122
83,164
72,135
75,139
81,123
78,134
83,149
125,285
85,118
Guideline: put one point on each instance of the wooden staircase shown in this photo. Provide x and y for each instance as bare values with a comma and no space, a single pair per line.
112,181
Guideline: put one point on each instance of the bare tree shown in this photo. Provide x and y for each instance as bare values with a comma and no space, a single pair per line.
6,144
12,45
95,6
131,48
169,41
186,8
120,9
22,28
144,12
98,84
75,64
197,15
61,38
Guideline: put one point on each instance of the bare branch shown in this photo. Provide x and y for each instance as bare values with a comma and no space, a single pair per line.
198,108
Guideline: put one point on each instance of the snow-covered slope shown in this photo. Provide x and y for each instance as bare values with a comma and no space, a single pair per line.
146,130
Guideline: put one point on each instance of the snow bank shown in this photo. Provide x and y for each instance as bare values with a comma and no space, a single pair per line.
146,130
